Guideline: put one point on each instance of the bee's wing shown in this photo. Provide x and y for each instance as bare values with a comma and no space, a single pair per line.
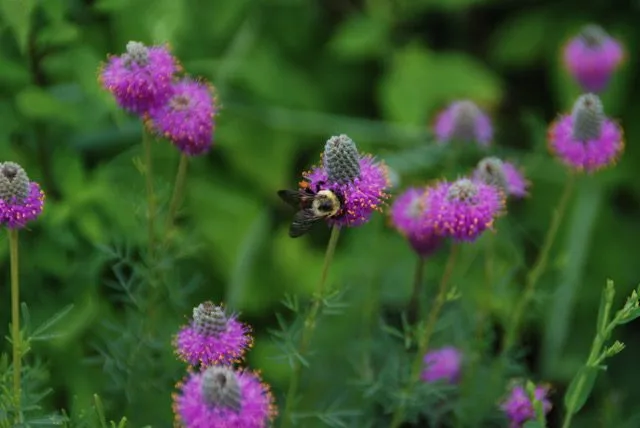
302,222
295,198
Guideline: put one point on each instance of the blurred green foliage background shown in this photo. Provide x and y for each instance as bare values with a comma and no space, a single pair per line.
291,73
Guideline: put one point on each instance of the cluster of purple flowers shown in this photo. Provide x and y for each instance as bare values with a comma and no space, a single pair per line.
145,81
584,140
219,394
21,200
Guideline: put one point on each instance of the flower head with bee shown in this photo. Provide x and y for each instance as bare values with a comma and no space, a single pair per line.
345,190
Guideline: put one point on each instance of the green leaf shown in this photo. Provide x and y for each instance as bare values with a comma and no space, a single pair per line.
581,224
38,104
360,37
533,424
520,40
57,35
419,81
580,389
17,13
629,316
40,332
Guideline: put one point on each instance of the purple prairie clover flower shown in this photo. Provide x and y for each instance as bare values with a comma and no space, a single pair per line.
442,364
140,79
21,200
212,337
586,140
187,118
592,57
222,397
519,408
409,216
463,121
465,208
504,175
358,180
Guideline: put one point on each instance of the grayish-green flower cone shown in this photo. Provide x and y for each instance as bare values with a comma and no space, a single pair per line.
593,35
491,172
462,190
136,53
209,319
464,121
14,182
341,159
588,116
220,388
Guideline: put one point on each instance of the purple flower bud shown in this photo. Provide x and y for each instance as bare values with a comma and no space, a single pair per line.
140,79
220,388
361,196
464,209
222,397
21,200
504,175
341,159
187,118
586,139
212,337
410,217
442,364
592,57
463,121
519,408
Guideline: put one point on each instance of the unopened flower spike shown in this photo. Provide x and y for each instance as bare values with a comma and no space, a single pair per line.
21,200
140,79
592,57
586,140
409,215
463,121
462,210
442,364
212,337
223,397
502,174
187,119
358,181
518,406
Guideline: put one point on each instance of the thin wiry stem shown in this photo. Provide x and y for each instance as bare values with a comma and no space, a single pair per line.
418,279
15,321
416,368
309,327
178,190
151,197
539,266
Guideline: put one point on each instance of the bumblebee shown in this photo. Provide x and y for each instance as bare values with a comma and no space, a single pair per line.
313,206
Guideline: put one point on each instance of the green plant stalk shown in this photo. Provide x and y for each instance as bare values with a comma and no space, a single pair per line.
309,327
604,328
424,340
593,361
418,279
539,266
151,197
15,320
178,190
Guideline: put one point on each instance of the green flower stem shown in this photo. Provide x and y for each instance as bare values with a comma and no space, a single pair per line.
151,197
178,190
309,327
15,320
540,265
424,340
418,279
